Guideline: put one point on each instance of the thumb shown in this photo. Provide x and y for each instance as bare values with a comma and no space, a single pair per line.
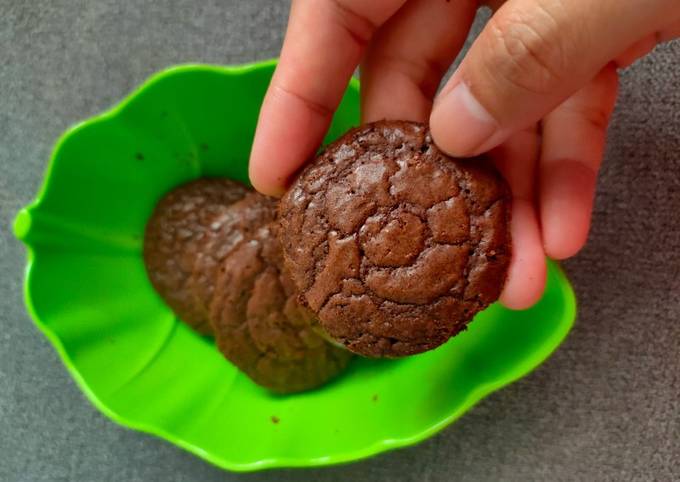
531,56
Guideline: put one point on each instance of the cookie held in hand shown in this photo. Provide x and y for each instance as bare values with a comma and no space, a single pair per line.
394,245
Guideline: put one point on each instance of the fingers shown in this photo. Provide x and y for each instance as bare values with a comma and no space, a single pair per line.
493,4
645,45
531,56
573,145
517,161
639,49
409,55
527,271
670,32
323,45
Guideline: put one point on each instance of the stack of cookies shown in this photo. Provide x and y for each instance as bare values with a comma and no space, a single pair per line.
211,252
383,246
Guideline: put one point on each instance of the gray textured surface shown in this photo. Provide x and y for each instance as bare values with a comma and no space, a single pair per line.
605,407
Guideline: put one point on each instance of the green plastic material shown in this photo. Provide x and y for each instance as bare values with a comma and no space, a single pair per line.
87,290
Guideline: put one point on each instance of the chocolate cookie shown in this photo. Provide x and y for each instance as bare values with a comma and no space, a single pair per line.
259,324
394,245
226,230
172,241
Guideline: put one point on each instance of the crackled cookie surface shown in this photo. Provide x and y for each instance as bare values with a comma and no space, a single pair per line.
259,324
394,245
224,232
179,225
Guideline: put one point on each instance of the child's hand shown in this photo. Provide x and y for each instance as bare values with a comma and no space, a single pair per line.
536,90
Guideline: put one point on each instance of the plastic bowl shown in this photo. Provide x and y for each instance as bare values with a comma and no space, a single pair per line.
87,291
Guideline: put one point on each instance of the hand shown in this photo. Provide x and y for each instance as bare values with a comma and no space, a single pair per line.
536,91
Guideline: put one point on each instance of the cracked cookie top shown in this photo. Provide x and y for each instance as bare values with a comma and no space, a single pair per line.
258,322
224,232
173,239
393,244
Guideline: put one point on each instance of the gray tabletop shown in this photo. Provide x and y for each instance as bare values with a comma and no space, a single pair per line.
606,406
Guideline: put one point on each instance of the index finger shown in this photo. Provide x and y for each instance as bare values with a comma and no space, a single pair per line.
323,45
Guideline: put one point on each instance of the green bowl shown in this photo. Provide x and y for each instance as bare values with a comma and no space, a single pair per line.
87,290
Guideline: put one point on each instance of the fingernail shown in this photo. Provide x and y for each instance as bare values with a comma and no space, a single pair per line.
464,124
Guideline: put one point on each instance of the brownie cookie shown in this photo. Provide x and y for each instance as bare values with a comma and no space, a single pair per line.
393,244
259,324
226,230
172,242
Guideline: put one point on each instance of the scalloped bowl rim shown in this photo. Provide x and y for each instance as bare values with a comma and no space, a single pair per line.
22,225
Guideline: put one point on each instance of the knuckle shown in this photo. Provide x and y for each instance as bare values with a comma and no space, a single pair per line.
527,50
356,23
306,99
597,117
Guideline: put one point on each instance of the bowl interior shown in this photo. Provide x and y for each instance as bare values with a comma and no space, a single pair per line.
87,290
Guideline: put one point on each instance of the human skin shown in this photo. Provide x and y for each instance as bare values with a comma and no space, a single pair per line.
536,91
